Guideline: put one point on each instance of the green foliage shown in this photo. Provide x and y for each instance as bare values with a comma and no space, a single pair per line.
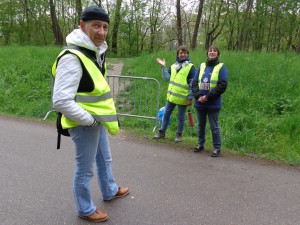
147,25
282,105
25,80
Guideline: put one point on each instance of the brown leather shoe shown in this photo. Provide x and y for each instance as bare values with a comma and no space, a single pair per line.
122,191
97,217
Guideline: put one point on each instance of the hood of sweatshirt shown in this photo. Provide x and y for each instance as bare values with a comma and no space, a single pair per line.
79,38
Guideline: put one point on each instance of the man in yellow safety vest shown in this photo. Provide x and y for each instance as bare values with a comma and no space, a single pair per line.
83,96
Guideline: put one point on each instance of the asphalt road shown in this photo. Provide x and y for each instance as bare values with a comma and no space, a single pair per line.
169,185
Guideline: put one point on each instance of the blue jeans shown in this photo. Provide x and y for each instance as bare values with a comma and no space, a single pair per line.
169,107
213,116
91,146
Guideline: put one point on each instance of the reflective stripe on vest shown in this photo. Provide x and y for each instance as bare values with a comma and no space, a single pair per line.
214,77
99,103
178,89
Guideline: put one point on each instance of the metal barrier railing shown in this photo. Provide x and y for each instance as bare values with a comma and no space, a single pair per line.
51,89
130,94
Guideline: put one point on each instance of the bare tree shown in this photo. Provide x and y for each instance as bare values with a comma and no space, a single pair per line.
26,16
114,41
212,31
55,26
179,25
154,12
244,32
197,24
98,3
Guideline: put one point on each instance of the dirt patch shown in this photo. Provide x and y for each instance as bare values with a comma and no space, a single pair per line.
116,84
115,68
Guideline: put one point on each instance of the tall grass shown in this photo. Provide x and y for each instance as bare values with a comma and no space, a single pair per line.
25,80
261,107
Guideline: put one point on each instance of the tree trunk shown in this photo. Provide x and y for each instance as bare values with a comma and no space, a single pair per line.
78,10
179,26
55,26
210,37
115,30
243,36
298,45
268,44
26,10
196,28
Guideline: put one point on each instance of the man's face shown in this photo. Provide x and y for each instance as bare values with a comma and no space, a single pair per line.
96,30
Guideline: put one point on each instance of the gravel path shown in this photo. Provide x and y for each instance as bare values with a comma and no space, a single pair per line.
115,68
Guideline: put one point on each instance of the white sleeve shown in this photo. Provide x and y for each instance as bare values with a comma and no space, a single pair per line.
67,79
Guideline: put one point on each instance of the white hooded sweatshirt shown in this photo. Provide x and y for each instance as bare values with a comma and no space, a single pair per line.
68,76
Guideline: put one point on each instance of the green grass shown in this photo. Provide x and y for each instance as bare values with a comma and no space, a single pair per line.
24,82
261,107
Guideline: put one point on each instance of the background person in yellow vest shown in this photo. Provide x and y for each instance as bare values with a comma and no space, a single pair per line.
80,94
179,93
208,85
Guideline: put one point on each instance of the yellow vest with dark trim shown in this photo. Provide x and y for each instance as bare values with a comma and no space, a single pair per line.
214,76
178,89
99,102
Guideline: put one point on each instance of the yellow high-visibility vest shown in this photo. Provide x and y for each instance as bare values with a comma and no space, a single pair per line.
99,102
214,76
178,89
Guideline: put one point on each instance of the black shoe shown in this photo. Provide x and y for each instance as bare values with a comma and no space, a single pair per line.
198,148
178,137
161,134
215,153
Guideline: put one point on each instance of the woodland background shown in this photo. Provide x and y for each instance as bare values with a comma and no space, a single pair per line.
152,25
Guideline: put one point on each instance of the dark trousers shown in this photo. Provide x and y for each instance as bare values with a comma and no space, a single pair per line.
213,115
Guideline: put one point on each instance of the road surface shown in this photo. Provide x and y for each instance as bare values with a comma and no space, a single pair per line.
169,185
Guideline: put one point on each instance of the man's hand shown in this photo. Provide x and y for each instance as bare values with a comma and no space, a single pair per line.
189,102
162,62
